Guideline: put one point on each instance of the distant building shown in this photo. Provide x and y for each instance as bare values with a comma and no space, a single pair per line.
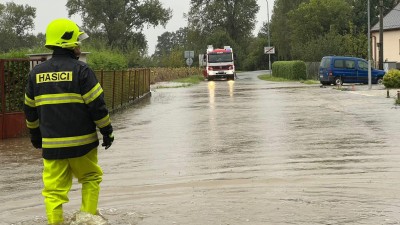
391,39
47,56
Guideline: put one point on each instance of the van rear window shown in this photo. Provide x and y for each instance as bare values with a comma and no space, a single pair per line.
325,63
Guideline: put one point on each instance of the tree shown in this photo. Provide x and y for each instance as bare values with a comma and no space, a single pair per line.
356,43
265,30
220,38
169,41
222,22
296,26
330,43
120,21
16,23
280,31
360,12
256,59
173,59
236,17
314,19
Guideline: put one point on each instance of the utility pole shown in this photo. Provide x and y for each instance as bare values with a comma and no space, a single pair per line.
369,47
381,34
269,40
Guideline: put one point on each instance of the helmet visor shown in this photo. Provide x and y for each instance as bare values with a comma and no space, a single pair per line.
82,37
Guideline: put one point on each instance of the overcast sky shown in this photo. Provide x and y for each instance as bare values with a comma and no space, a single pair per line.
47,10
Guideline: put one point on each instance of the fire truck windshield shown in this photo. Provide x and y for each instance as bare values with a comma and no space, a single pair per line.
221,57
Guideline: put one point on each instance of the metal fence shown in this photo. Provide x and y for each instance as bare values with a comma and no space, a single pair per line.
123,87
312,69
120,88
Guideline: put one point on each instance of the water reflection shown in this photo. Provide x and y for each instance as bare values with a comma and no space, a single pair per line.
242,152
18,150
211,92
231,87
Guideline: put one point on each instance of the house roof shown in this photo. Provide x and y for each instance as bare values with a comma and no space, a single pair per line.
391,21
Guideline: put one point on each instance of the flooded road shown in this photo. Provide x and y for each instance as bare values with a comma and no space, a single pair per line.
238,152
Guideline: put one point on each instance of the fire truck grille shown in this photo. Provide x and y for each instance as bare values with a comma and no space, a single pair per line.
221,67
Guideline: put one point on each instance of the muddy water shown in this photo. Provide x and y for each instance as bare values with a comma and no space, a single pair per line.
242,152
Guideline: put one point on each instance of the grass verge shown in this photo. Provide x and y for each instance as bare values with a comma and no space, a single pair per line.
268,77
193,79
182,82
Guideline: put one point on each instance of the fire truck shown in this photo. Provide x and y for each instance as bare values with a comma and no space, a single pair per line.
219,63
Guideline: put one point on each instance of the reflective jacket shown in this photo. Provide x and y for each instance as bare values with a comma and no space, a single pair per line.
65,102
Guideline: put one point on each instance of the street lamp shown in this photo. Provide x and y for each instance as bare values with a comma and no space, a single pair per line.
269,40
369,48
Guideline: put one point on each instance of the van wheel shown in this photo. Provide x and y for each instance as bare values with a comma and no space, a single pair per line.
338,81
379,80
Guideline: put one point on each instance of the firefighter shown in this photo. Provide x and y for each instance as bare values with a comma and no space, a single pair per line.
64,103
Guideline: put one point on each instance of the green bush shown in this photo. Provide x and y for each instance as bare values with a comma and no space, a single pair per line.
13,54
392,79
291,70
23,52
98,59
15,73
107,60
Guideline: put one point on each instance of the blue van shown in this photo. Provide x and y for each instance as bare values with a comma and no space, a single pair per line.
340,69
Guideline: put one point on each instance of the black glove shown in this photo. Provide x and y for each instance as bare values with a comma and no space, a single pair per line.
36,138
108,136
108,139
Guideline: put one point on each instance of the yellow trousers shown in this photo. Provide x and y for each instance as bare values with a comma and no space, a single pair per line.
57,180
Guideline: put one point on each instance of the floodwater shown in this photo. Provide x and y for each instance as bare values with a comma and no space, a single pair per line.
235,152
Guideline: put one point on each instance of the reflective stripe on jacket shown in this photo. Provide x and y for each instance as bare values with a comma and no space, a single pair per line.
64,99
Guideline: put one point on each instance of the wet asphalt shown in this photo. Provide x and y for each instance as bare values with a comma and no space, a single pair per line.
235,152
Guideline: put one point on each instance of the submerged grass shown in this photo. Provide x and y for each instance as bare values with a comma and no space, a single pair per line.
268,77
183,82
193,79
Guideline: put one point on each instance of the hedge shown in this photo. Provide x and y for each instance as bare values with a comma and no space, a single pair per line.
291,70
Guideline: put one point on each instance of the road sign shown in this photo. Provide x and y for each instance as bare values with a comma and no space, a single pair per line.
269,50
189,61
189,54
